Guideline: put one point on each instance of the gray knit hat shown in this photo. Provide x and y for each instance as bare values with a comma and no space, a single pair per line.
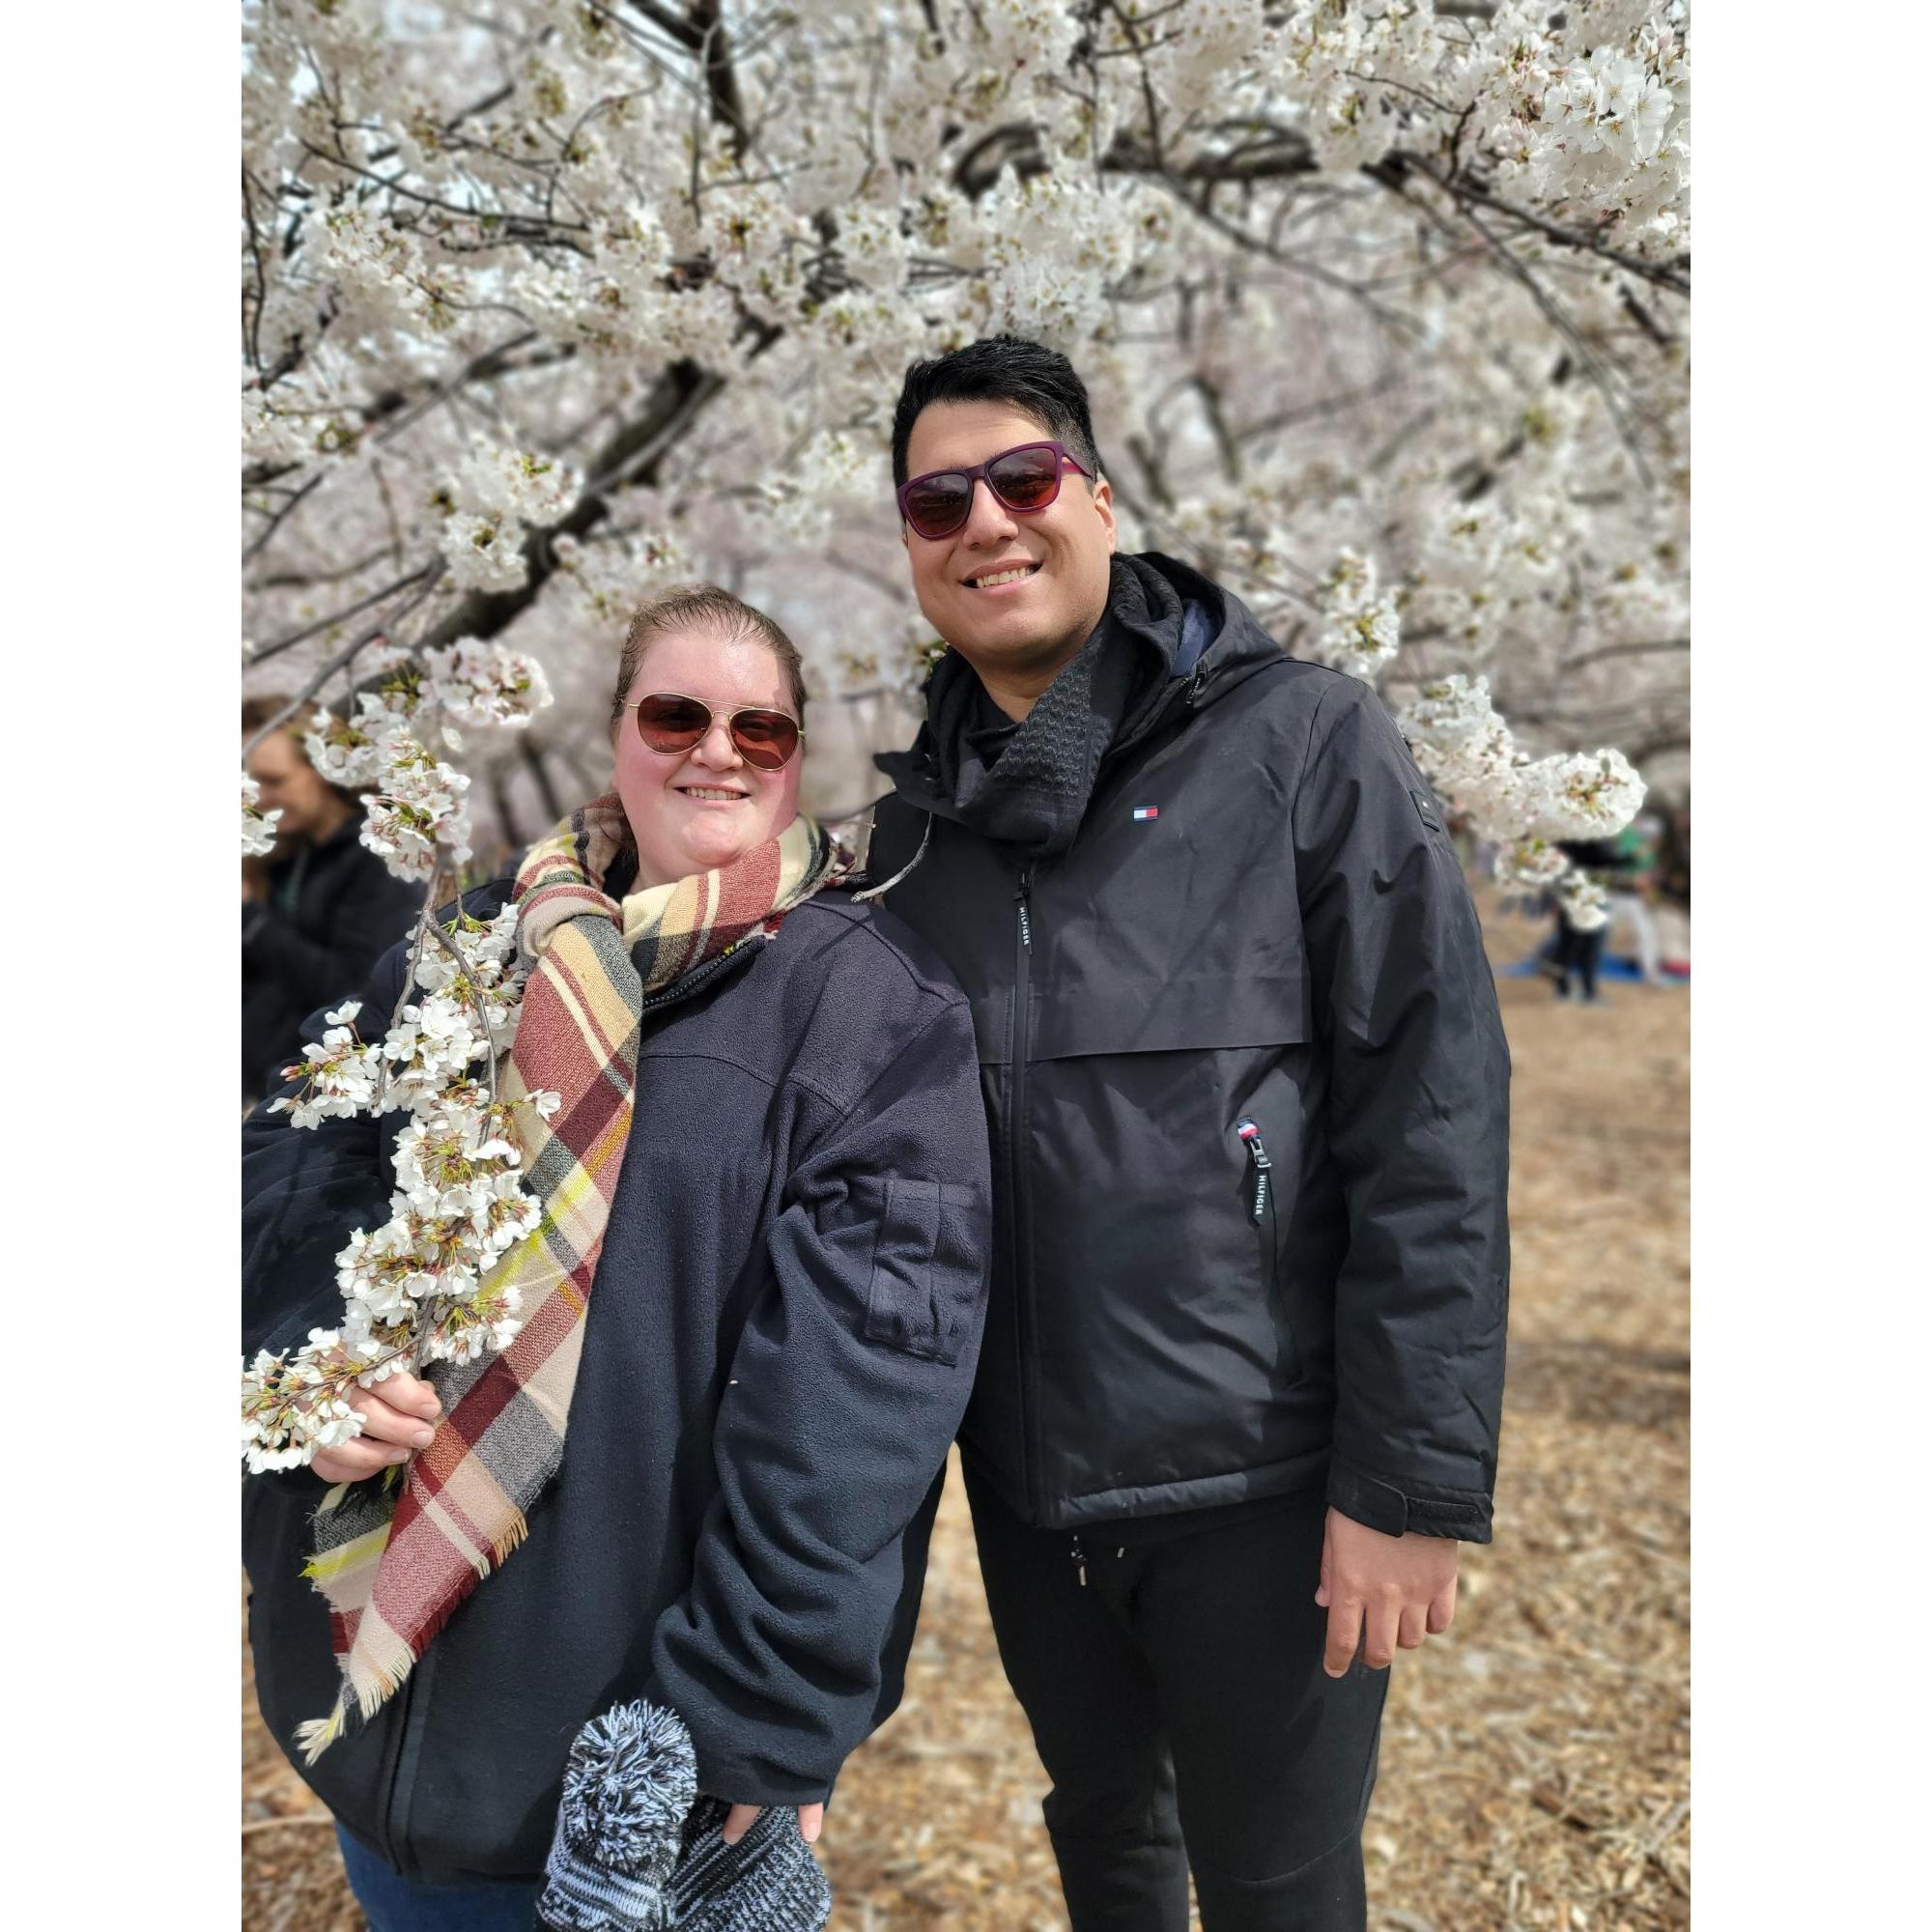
636,1850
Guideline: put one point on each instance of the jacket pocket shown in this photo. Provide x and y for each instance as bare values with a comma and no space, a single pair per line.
913,1303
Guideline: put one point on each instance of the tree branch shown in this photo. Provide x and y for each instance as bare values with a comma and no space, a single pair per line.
701,31
279,518
1281,154
1462,189
344,658
261,278
321,624
1630,650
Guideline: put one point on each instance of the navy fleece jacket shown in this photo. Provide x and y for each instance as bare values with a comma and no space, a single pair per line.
780,1340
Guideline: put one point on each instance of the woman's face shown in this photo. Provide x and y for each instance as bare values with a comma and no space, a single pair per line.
692,812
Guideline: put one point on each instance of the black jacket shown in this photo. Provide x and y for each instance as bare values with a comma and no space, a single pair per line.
1261,919
332,910
780,1340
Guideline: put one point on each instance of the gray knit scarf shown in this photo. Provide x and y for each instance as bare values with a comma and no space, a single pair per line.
1028,787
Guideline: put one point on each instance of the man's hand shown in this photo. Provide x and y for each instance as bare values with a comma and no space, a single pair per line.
1382,1593
742,1817
398,1417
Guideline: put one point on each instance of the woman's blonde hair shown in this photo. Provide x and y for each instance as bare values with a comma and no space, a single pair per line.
705,606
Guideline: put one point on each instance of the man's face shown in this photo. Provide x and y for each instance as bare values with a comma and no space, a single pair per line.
290,785
1034,622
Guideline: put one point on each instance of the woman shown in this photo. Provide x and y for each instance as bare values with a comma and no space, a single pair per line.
776,1343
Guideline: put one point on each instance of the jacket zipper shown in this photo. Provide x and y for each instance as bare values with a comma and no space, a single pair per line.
1258,1159
1019,1049
1261,1201
682,989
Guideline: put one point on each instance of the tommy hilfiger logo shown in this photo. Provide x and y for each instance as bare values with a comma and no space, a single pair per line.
1146,811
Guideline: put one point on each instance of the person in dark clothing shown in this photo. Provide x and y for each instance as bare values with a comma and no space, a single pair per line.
1578,953
1578,950
779,1331
316,912
1246,1082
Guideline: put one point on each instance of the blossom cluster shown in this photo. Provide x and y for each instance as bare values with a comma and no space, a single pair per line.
415,818
1361,76
611,579
1596,118
490,505
294,1404
340,1076
416,821
1361,629
474,683
423,1287
1527,806
258,827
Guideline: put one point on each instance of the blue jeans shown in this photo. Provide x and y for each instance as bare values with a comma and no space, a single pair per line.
393,1903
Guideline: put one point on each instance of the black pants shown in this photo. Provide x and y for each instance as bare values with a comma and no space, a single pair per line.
1179,1704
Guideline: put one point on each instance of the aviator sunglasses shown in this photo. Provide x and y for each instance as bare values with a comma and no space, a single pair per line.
673,724
1024,478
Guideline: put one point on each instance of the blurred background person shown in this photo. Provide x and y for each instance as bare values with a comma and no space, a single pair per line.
1578,953
317,912
1632,891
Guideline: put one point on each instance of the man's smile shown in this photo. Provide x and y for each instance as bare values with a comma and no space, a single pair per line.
995,580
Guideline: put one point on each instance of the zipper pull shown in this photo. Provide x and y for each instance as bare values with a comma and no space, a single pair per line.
1251,1138
1080,1559
1021,894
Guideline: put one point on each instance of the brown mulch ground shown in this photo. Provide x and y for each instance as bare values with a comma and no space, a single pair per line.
1535,1761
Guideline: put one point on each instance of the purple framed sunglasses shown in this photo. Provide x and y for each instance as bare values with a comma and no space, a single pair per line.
1024,478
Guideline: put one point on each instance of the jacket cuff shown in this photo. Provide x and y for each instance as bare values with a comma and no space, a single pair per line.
733,1775
1379,1504
738,1782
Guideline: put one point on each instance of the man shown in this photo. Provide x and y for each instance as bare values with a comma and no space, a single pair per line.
317,914
1240,1385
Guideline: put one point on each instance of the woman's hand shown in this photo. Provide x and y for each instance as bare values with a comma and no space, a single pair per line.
742,1817
398,1418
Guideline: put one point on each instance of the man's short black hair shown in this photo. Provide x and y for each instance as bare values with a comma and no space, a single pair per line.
1027,376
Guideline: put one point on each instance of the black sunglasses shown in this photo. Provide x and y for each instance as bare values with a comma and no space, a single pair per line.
673,724
1023,479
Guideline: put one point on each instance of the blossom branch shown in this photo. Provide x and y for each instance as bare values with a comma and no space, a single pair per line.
1464,190
334,617
673,405
425,579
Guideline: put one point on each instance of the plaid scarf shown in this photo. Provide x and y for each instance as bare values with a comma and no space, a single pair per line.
395,1560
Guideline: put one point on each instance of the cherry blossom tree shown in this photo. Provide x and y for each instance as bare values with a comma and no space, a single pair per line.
546,304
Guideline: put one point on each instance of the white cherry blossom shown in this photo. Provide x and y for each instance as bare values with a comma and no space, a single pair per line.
258,827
